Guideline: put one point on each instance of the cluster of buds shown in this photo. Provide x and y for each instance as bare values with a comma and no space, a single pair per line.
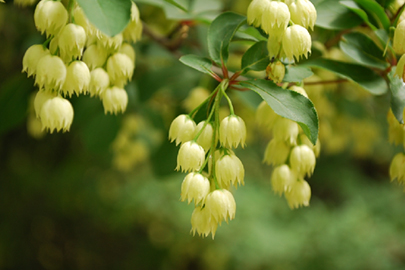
286,22
209,144
78,59
290,152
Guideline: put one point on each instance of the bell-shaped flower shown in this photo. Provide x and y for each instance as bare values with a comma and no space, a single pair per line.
195,187
221,205
115,100
191,157
299,194
303,160
51,72
77,78
32,57
56,114
182,129
50,17
232,132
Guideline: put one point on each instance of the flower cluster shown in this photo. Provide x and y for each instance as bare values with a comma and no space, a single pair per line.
209,144
78,59
396,135
290,152
286,22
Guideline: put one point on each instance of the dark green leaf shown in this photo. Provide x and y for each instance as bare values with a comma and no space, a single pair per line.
397,88
363,76
256,58
111,17
14,95
296,73
363,50
288,104
220,34
376,10
333,15
360,12
199,63
249,33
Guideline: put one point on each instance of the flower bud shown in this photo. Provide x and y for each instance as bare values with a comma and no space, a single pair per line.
275,18
296,42
302,160
115,100
399,71
298,90
276,71
133,31
95,56
399,39
195,187
77,78
128,50
205,138
229,170
203,223
56,114
265,116
397,168
32,57
303,13
285,130
191,157
99,82
51,72
232,132
255,12
276,152
182,129
119,67
39,100
299,194
50,17
221,205
72,39
282,179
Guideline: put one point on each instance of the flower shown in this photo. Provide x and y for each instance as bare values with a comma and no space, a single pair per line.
50,17
265,116
195,187
221,205
298,90
397,168
399,71
276,71
95,56
275,17
255,12
276,152
51,72
133,31
303,13
128,50
203,223
205,138
114,99
299,194
120,67
40,98
232,131
72,40
32,57
229,170
296,42
399,39
99,82
285,130
191,157
303,160
77,78
182,129
56,114
282,179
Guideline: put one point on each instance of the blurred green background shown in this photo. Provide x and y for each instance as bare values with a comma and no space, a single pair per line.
77,200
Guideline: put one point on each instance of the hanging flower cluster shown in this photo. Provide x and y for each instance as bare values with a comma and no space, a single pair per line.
78,59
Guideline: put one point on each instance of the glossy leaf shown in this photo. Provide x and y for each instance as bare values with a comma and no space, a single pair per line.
256,58
288,104
351,5
333,15
363,50
397,88
376,10
296,73
199,63
110,17
220,34
363,76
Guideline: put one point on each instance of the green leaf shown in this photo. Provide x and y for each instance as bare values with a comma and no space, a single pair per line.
110,17
288,104
363,76
357,9
256,58
202,10
181,4
296,73
220,34
363,50
397,87
376,10
199,63
333,15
